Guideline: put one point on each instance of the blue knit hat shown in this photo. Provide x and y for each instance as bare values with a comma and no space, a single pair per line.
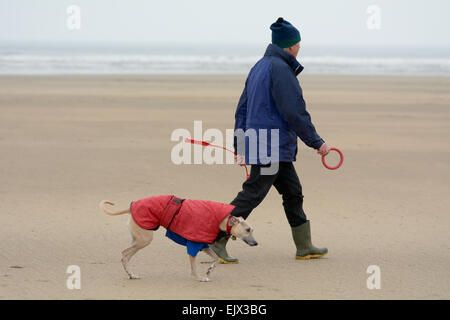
284,34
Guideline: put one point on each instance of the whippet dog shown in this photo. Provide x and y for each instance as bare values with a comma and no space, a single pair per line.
146,215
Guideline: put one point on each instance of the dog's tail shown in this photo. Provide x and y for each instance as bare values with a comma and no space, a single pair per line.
111,213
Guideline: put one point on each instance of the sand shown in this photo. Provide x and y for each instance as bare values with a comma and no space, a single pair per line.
68,142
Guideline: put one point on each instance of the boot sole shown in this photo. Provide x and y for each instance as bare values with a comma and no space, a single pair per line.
223,261
310,256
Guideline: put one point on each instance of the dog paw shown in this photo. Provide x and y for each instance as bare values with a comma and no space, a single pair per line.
134,276
205,279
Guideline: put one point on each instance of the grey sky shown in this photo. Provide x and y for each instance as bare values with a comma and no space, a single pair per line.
326,22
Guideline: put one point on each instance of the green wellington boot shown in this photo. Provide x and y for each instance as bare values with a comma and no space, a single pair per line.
219,248
302,239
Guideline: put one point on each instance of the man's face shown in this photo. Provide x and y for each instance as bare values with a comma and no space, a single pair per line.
294,49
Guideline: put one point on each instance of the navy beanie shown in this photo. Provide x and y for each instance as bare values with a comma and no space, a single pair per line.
284,34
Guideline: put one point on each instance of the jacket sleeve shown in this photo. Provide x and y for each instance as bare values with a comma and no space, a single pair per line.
288,97
241,114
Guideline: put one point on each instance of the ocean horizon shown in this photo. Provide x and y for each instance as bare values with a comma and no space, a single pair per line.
57,59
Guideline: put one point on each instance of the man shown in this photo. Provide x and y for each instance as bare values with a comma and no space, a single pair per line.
273,99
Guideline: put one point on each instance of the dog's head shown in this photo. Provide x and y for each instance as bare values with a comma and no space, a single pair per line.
240,229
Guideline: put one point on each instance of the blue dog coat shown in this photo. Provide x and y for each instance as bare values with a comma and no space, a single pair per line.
192,247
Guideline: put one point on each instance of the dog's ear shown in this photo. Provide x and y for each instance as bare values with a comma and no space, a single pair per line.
233,221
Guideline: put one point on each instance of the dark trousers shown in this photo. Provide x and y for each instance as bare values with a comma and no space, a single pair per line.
256,187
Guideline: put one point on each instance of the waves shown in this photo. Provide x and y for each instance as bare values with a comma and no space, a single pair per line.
378,66
29,62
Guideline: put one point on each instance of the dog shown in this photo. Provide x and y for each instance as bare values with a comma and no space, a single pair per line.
194,223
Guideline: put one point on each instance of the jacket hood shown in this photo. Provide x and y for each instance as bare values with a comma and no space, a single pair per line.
276,51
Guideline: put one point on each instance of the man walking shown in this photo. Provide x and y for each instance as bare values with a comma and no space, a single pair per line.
273,99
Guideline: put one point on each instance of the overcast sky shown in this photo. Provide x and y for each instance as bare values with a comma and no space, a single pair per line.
321,22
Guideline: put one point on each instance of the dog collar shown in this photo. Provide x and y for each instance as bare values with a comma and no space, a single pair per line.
229,225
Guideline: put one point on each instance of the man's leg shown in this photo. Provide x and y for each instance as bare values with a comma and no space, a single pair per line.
254,190
288,185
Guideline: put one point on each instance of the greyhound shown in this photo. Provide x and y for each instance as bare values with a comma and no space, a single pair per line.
236,227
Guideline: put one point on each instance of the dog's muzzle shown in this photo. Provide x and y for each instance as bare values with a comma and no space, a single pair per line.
250,242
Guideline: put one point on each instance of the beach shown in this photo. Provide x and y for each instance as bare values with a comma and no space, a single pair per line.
68,142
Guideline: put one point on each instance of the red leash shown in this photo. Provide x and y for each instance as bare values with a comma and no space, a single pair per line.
340,162
207,144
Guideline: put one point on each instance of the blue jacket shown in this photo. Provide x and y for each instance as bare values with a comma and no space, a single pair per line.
273,99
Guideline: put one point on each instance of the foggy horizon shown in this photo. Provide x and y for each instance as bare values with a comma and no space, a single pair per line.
418,24
207,36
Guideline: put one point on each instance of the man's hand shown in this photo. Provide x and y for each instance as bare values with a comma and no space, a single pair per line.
324,149
239,159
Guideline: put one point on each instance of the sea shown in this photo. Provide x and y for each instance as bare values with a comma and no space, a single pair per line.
60,59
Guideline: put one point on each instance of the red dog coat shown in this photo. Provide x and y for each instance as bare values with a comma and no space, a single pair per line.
195,220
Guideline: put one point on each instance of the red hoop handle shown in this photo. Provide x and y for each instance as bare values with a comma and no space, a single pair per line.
340,162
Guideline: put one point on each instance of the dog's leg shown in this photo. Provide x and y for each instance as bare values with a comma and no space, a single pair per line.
126,256
133,238
140,239
194,270
210,252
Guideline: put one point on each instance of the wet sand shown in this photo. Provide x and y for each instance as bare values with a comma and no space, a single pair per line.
68,142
